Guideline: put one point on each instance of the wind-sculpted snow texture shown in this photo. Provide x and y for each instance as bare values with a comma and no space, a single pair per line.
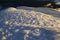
21,24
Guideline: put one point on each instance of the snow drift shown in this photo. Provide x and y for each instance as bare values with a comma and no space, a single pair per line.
21,17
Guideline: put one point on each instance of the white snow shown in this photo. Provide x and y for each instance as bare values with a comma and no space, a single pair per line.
36,32
16,30
31,17
3,38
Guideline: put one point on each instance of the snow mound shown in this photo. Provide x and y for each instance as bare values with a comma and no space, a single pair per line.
20,21
13,16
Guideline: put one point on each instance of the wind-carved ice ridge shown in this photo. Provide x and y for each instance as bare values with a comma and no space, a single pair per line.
26,18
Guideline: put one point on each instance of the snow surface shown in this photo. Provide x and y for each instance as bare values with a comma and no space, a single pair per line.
28,23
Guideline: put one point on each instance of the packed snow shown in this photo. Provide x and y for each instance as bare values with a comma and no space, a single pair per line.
28,23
